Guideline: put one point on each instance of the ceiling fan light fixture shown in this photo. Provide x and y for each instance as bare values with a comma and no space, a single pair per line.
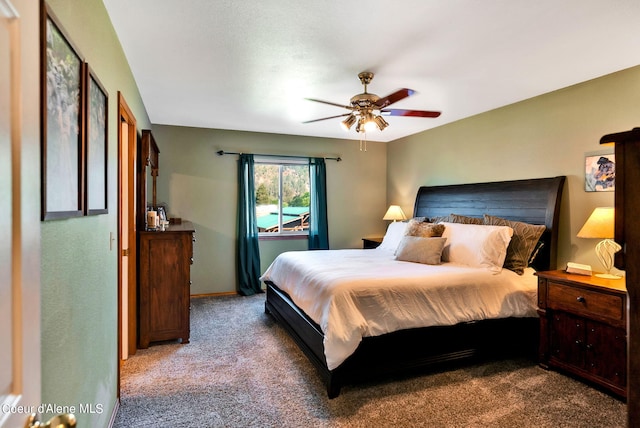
348,122
380,122
362,107
369,122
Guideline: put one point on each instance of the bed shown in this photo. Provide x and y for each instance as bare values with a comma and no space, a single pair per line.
377,351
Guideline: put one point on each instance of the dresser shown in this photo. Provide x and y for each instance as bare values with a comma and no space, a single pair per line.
583,327
165,259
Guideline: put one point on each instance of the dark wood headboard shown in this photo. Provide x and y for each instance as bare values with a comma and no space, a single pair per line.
534,201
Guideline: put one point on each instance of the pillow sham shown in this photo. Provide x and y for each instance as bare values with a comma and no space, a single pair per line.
457,218
476,245
395,232
420,250
523,242
423,229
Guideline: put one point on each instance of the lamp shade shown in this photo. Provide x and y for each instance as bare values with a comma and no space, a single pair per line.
599,224
394,213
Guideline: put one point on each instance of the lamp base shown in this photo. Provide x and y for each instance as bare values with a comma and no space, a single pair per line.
608,276
605,250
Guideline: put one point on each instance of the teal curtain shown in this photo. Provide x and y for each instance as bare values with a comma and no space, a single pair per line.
318,227
248,257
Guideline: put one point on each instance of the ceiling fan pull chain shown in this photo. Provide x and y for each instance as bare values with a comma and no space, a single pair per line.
363,142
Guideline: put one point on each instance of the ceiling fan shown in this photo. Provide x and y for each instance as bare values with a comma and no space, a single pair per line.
366,109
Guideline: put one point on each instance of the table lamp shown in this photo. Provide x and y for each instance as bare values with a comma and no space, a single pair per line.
394,213
600,225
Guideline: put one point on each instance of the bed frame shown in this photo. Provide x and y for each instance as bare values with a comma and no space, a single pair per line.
535,201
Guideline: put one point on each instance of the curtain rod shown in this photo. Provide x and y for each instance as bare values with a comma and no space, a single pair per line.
222,152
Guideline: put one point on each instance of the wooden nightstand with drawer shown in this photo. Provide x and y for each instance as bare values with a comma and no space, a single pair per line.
369,243
583,327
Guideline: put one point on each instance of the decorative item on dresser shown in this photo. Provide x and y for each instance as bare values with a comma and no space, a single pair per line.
583,327
165,259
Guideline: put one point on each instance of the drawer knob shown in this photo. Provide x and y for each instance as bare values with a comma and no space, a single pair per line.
581,299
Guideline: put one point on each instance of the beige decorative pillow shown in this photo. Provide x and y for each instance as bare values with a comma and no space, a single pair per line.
424,230
420,250
523,242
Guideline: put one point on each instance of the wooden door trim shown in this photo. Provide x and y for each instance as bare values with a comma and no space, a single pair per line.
125,115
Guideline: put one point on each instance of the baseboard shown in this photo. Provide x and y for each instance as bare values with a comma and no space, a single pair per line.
224,293
114,413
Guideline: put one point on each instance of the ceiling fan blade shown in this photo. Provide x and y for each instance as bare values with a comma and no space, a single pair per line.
325,118
329,102
413,113
398,95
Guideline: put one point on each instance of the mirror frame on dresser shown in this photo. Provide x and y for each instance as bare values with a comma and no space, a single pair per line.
149,158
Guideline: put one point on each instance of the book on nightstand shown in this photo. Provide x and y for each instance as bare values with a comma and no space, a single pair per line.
578,269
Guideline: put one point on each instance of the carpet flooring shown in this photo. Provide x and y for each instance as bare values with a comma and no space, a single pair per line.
242,370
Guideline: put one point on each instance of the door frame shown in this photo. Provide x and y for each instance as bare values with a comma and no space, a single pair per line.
125,115
21,336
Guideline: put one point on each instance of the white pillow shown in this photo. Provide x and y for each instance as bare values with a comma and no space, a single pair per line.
394,235
476,245
420,250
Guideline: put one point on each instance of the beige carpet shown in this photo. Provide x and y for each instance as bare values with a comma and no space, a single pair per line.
242,370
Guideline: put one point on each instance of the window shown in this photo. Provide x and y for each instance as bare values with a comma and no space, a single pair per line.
282,196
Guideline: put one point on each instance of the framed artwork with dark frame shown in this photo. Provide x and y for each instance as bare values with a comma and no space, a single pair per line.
96,148
62,157
600,173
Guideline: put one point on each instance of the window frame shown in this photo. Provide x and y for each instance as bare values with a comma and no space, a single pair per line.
282,162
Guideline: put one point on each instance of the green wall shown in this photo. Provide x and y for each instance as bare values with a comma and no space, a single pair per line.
79,270
200,186
544,136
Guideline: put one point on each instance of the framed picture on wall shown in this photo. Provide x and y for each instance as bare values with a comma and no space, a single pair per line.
62,138
96,115
600,173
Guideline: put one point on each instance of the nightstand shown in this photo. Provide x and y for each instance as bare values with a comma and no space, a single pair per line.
369,243
583,327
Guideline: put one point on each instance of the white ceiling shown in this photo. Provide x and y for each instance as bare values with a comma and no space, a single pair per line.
249,64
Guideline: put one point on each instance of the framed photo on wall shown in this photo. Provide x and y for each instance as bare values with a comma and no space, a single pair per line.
62,136
600,173
96,148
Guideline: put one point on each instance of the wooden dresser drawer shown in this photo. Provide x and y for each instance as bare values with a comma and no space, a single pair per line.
585,302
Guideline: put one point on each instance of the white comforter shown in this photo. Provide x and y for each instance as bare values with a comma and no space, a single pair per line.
356,293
